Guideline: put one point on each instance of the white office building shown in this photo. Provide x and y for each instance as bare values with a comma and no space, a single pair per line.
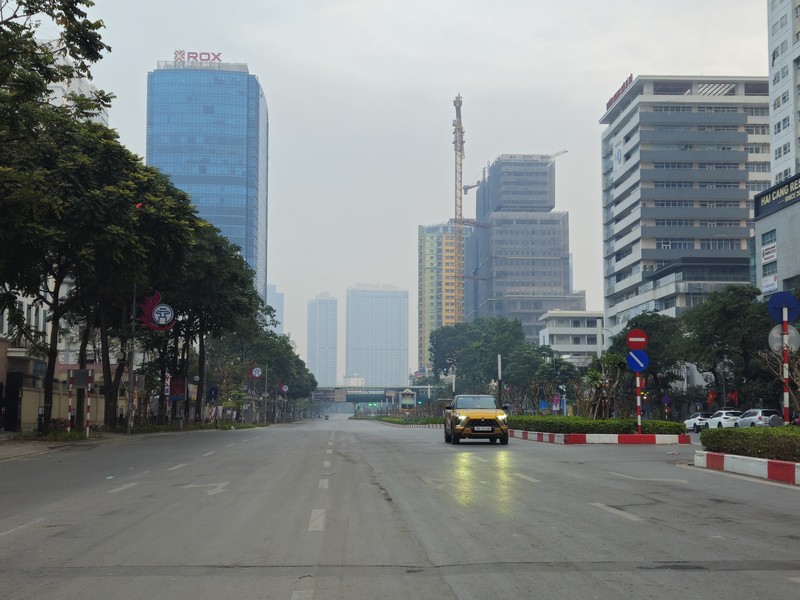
323,339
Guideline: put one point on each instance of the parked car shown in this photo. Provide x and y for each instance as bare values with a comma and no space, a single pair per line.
696,421
723,418
760,417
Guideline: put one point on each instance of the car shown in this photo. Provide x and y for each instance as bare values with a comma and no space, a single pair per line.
760,417
696,421
722,418
475,416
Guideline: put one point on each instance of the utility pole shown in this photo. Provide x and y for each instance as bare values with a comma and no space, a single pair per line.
458,145
130,362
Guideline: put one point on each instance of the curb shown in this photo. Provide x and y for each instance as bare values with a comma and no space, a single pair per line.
774,470
601,438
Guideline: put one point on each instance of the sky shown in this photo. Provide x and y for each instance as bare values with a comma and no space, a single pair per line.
360,96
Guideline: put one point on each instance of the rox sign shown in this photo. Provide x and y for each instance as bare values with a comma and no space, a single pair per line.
184,56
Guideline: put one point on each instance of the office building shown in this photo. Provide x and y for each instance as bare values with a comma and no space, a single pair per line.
776,265
376,342
517,260
575,335
275,300
323,339
436,284
207,129
682,159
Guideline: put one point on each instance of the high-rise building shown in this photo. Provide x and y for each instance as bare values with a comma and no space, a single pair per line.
776,266
275,300
682,158
207,129
436,286
377,335
517,260
323,339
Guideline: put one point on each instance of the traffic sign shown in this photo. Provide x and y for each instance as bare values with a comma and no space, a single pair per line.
636,339
285,388
775,338
256,372
780,300
637,360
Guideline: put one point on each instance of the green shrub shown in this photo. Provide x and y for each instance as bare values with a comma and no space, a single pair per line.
774,443
560,424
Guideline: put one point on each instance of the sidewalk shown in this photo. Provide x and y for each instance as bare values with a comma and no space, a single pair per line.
10,448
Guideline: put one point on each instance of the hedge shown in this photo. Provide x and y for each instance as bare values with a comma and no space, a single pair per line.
559,424
774,443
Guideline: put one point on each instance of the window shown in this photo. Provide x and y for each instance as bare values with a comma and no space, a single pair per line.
673,204
720,244
719,204
770,268
576,340
672,108
718,166
756,111
758,167
718,108
718,185
672,184
756,186
674,223
768,237
672,165
591,340
674,244
757,129
720,223
576,323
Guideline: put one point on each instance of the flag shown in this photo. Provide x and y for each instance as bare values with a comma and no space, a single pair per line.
733,397
712,396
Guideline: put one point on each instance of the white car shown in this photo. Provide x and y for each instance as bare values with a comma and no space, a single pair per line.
696,421
760,417
723,418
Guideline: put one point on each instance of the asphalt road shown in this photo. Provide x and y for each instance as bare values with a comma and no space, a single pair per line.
356,510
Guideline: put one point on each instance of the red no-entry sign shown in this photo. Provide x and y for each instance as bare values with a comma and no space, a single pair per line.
636,339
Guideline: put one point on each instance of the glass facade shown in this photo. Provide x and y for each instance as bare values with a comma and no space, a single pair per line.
207,128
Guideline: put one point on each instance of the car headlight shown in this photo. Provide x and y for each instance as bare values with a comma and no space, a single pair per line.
502,417
461,418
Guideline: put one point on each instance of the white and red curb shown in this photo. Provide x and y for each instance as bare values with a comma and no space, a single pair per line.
601,438
774,470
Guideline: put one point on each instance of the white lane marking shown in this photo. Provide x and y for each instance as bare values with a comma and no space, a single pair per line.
216,488
208,453
21,526
123,487
323,484
648,478
795,579
330,443
326,463
614,511
480,458
229,445
176,467
526,477
317,522
303,595
328,451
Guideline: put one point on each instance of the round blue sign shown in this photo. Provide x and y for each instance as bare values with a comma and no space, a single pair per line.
780,300
637,360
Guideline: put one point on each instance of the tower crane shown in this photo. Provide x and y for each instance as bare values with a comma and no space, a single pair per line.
458,145
554,154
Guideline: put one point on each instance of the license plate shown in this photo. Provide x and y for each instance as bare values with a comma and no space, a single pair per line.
482,428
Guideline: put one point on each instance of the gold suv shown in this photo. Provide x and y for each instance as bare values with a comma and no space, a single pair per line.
475,416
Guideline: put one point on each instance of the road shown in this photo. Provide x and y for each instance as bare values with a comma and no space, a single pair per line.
357,510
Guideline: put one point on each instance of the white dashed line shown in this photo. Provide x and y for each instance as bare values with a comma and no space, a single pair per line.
330,443
326,464
619,513
20,527
303,595
208,453
526,478
328,451
123,487
229,445
176,467
317,522
323,484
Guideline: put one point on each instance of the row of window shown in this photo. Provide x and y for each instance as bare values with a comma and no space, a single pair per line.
700,223
705,244
781,150
780,125
703,185
752,111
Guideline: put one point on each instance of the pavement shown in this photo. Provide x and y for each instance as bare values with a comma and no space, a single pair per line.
11,448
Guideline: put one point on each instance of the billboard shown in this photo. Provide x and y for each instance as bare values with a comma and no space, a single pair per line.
777,197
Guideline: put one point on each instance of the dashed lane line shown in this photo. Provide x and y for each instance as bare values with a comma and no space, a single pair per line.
126,486
526,477
317,521
614,511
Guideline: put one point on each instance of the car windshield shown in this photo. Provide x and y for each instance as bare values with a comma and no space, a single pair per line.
476,402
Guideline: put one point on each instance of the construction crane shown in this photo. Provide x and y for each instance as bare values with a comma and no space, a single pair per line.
458,145
554,154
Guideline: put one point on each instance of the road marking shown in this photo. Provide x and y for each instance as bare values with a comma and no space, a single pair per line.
328,451
330,443
317,522
216,488
795,579
619,513
123,487
438,484
648,478
228,445
208,453
21,526
526,478
323,484
176,467
303,595
326,463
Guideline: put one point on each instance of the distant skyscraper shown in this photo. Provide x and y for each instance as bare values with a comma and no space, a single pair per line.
323,339
275,300
517,261
436,284
377,335
207,129
682,159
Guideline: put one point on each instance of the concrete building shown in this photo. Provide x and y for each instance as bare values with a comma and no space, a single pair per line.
436,284
517,260
207,128
682,159
376,341
577,335
776,266
323,339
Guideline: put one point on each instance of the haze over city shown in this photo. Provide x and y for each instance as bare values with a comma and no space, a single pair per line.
360,96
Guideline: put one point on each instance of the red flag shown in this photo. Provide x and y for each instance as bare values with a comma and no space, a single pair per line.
712,395
733,396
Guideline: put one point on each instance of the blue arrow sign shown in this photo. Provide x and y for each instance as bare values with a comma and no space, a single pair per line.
637,360
778,301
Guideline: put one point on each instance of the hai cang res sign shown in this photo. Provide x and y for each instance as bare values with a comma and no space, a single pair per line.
777,197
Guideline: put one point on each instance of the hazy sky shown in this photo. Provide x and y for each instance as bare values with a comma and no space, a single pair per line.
360,96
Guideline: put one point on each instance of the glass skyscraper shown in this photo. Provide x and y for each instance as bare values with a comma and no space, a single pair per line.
207,128
323,339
